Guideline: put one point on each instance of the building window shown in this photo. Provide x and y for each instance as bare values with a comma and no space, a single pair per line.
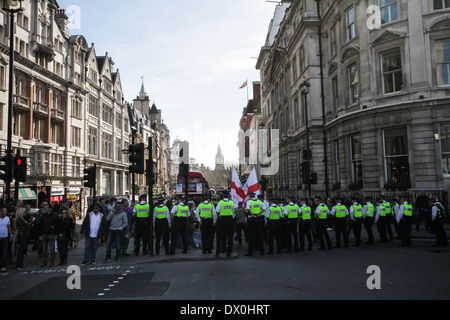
107,114
445,148
76,165
93,106
76,108
107,145
350,21
76,137
388,10
333,40
391,69
335,92
396,157
353,83
443,62
56,165
356,158
92,141
441,4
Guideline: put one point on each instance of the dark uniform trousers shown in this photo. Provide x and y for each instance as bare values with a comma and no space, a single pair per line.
404,228
143,232
225,230
439,231
161,231
340,225
368,222
178,227
322,234
357,231
305,230
388,226
207,232
381,227
293,234
273,231
255,228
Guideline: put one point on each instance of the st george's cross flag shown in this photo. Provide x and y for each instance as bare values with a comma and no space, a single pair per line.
251,186
237,193
243,85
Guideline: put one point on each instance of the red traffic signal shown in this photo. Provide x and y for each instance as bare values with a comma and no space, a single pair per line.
20,168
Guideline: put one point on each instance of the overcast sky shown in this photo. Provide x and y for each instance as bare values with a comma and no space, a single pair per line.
193,56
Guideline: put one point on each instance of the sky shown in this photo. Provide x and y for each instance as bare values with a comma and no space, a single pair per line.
192,55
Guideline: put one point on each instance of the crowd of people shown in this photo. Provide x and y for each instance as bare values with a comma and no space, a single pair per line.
289,224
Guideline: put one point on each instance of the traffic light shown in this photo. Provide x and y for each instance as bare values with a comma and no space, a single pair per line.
313,178
305,172
137,158
150,176
20,168
4,166
184,170
90,176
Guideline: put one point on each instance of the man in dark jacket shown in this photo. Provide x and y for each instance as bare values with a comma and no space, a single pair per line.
94,228
49,228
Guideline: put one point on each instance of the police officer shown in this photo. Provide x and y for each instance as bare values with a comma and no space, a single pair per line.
340,213
255,225
388,219
368,215
321,216
180,214
305,225
437,221
380,220
356,215
272,216
207,218
225,224
404,220
291,214
161,224
143,226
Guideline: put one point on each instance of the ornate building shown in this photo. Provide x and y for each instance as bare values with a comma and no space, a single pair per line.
68,110
377,120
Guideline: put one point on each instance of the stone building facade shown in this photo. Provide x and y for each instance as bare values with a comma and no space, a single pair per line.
68,108
383,118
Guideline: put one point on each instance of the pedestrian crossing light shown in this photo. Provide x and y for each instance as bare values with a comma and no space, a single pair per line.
305,172
20,168
4,165
136,158
90,176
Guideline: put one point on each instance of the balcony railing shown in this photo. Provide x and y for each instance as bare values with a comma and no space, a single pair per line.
40,109
57,115
21,103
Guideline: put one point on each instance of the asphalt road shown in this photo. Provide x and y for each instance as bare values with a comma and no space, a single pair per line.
420,272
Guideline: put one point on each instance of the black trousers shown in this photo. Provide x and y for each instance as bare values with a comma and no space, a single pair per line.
305,230
178,227
439,231
273,231
404,227
207,232
161,232
389,218
293,234
357,231
340,225
255,228
322,234
381,227
368,222
143,227
225,231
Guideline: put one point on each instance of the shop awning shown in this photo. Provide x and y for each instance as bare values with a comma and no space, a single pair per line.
27,194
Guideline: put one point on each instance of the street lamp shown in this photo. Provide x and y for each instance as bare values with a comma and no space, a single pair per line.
304,87
11,7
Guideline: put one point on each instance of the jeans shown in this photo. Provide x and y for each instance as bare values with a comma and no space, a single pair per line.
48,243
90,249
3,251
114,236
22,239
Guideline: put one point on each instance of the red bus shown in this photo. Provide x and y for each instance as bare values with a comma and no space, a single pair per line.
197,185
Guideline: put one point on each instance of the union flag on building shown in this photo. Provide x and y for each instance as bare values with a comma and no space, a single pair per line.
243,85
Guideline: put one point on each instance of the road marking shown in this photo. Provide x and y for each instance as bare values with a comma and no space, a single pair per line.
115,282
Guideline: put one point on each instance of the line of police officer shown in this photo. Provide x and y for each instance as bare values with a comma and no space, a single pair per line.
288,225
